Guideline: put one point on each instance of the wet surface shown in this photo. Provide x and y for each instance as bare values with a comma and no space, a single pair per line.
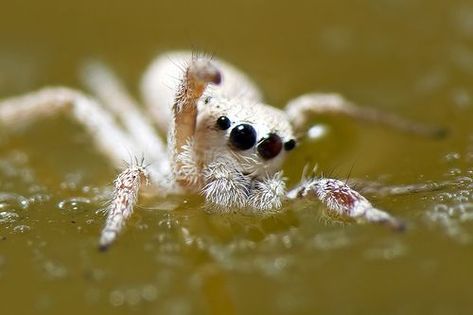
413,58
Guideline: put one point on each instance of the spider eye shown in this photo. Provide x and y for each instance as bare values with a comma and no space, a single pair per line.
223,123
243,137
270,146
289,145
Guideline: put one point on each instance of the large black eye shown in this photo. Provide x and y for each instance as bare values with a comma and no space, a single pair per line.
270,147
223,123
243,137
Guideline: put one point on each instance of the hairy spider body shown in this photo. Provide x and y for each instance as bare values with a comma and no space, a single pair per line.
223,141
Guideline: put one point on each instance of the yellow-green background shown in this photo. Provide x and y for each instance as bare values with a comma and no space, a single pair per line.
410,57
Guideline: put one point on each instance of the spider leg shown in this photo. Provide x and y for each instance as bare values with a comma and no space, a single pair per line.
108,88
108,137
195,79
343,201
162,79
300,109
125,195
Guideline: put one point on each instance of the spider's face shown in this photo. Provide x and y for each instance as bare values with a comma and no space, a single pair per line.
257,136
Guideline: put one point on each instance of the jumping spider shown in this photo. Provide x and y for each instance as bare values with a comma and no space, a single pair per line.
223,141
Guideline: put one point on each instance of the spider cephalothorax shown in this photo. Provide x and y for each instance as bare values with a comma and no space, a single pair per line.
223,141
233,128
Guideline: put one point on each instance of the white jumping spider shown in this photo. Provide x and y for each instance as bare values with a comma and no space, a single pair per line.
223,141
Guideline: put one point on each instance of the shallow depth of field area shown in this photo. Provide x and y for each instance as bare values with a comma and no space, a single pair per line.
409,57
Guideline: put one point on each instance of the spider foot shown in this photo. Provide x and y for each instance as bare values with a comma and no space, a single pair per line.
203,71
343,201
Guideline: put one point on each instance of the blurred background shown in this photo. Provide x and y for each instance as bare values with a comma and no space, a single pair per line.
410,57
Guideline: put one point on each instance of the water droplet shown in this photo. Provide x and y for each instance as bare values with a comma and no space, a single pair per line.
452,156
149,292
21,228
76,204
55,270
39,198
386,251
11,201
441,208
8,217
454,172
117,298
331,240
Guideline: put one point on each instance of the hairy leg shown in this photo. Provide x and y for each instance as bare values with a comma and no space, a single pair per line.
108,137
162,79
125,195
343,201
195,79
302,108
108,88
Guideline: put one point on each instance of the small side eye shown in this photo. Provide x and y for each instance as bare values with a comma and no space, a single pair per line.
223,123
207,99
243,137
289,145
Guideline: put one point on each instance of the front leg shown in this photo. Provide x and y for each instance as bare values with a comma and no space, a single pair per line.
198,74
343,201
125,195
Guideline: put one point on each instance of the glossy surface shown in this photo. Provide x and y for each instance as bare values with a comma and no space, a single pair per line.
410,57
